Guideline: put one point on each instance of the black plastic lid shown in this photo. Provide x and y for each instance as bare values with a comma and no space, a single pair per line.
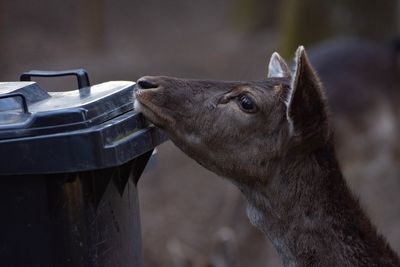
82,129
53,112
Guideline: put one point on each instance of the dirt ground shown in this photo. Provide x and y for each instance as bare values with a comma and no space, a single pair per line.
197,211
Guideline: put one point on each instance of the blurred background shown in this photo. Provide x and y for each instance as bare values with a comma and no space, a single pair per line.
189,216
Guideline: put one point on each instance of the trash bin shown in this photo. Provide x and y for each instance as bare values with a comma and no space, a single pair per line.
69,165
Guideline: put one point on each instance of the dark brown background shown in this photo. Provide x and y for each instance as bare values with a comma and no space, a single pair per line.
190,217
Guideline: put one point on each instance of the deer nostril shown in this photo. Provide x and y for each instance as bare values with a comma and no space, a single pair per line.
146,84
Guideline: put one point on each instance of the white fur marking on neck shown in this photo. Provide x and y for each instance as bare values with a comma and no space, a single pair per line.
193,139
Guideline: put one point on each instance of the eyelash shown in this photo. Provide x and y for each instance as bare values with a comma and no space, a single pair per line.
237,98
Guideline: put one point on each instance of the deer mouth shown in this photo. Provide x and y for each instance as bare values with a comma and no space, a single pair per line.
154,113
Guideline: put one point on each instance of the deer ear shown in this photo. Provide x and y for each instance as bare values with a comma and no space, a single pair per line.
277,67
305,100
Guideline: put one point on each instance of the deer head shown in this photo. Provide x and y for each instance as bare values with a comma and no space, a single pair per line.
272,138
236,128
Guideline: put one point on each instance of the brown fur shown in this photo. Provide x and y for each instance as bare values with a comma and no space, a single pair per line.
281,157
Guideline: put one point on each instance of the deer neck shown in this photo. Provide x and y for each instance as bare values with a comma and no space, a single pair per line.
308,212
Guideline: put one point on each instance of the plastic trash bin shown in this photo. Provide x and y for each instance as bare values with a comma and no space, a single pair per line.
69,165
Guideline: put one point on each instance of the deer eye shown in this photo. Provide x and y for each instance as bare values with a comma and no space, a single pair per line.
246,103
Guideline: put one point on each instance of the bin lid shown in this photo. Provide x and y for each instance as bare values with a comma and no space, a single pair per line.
52,112
82,125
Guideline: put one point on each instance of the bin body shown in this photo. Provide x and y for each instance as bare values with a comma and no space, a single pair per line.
68,190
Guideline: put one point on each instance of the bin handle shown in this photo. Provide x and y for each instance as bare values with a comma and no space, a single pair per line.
24,103
81,75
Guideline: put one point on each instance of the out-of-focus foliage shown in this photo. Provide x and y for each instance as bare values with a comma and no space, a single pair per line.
310,21
252,15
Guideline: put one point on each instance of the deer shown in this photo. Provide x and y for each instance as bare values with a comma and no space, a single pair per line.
274,140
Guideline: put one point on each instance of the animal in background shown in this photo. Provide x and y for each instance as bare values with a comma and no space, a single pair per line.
362,81
274,140
362,85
